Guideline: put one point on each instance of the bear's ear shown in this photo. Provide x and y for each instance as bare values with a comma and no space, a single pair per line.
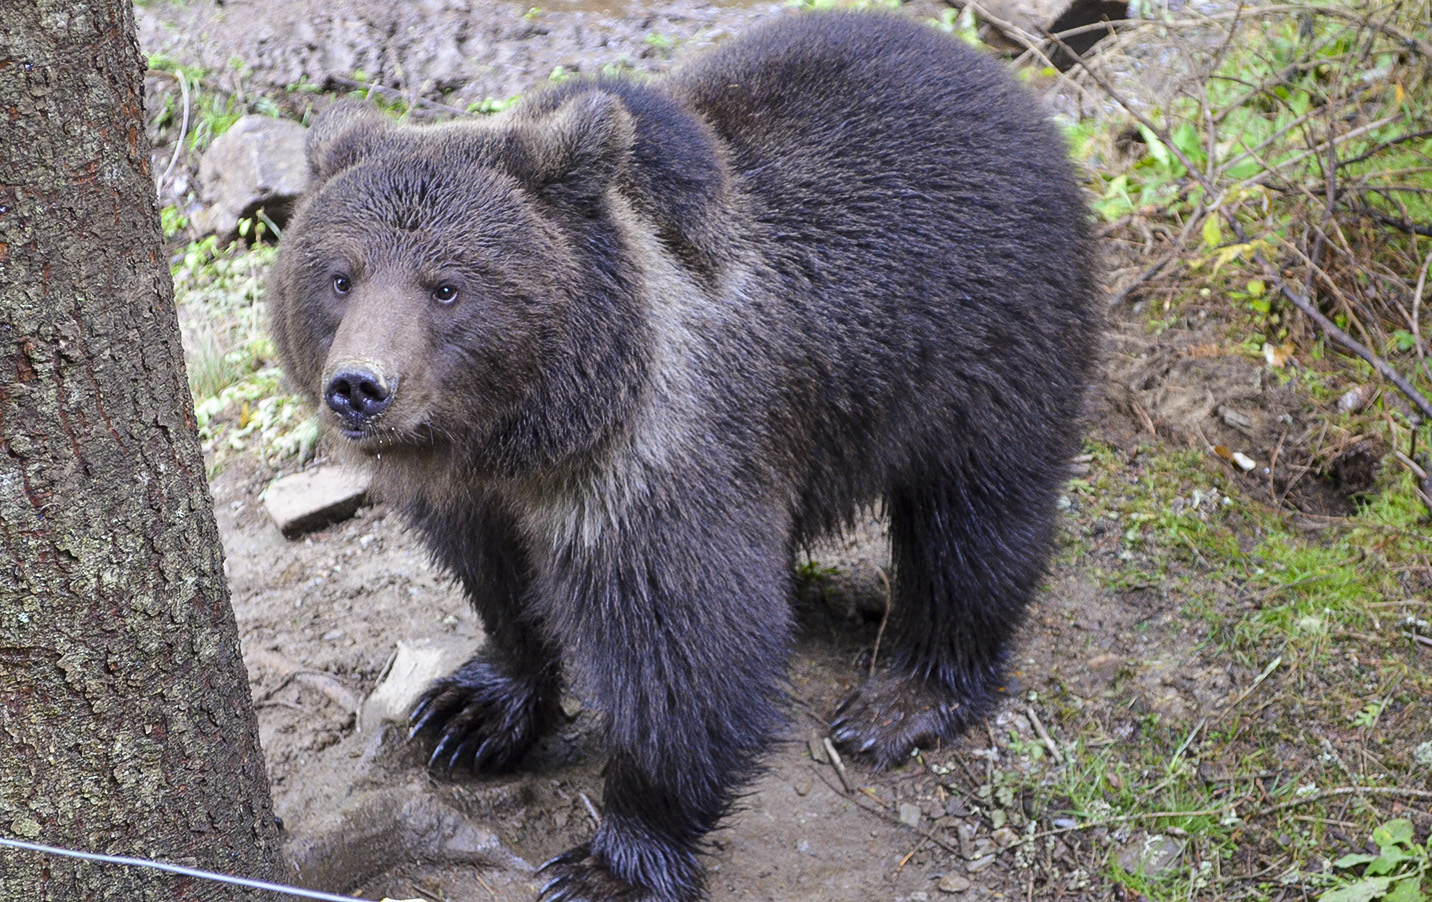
342,135
574,153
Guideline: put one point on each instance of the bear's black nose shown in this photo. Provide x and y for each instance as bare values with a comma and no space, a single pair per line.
358,395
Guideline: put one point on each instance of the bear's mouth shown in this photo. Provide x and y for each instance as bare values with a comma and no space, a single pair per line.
375,438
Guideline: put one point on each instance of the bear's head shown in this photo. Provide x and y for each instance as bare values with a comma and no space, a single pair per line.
456,285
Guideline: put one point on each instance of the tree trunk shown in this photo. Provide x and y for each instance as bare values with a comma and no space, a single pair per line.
126,725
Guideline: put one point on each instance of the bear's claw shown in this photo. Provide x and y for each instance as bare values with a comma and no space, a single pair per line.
578,875
480,718
886,717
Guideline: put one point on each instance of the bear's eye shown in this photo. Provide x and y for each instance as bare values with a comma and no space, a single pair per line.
342,284
445,294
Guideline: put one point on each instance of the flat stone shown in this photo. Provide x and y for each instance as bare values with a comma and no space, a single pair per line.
314,499
415,666
910,814
952,883
1151,855
1004,837
979,864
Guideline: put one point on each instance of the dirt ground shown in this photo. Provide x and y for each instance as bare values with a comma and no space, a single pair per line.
322,616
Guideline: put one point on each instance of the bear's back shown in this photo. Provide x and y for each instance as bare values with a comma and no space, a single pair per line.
874,132
926,233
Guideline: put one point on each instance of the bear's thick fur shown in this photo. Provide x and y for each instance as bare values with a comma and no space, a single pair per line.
619,352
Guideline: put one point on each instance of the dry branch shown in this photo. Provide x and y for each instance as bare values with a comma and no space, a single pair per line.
1331,195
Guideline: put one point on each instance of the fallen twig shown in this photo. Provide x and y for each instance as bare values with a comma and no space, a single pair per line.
1347,341
1044,735
1298,300
838,765
1321,794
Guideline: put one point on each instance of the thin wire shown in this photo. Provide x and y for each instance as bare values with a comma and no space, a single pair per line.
177,869
183,128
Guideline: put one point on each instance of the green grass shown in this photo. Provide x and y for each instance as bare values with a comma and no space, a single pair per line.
239,400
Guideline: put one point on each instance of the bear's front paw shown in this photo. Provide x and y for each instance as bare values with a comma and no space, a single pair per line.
886,718
481,718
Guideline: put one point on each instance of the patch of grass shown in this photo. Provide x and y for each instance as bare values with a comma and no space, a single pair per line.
211,111
1313,743
239,400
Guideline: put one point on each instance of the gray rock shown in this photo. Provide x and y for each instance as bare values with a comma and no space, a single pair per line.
258,163
314,498
979,864
414,666
1005,837
910,814
953,883
1150,855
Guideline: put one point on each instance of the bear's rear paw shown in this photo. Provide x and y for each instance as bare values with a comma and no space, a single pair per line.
887,717
481,718
579,875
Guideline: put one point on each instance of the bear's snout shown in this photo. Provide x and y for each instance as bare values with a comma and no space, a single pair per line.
358,395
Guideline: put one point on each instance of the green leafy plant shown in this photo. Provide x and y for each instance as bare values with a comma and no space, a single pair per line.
1398,872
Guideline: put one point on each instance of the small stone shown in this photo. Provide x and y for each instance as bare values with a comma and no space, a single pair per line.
1151,855
979,864
1357,397
910,814
414,667
965,834
1005,837
952,883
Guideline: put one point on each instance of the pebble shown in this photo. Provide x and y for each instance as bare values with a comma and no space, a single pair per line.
979,864
910,814
952,883
966,835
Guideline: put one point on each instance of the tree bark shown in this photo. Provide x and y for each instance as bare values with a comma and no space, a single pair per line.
126,725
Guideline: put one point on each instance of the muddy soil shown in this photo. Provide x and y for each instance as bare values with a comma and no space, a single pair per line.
322,616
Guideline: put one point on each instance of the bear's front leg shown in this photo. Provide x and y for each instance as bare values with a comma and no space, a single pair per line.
486,715
680,635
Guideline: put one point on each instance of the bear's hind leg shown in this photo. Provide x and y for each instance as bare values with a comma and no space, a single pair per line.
968,555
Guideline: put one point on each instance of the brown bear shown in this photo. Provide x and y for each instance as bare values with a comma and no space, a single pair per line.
621,351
